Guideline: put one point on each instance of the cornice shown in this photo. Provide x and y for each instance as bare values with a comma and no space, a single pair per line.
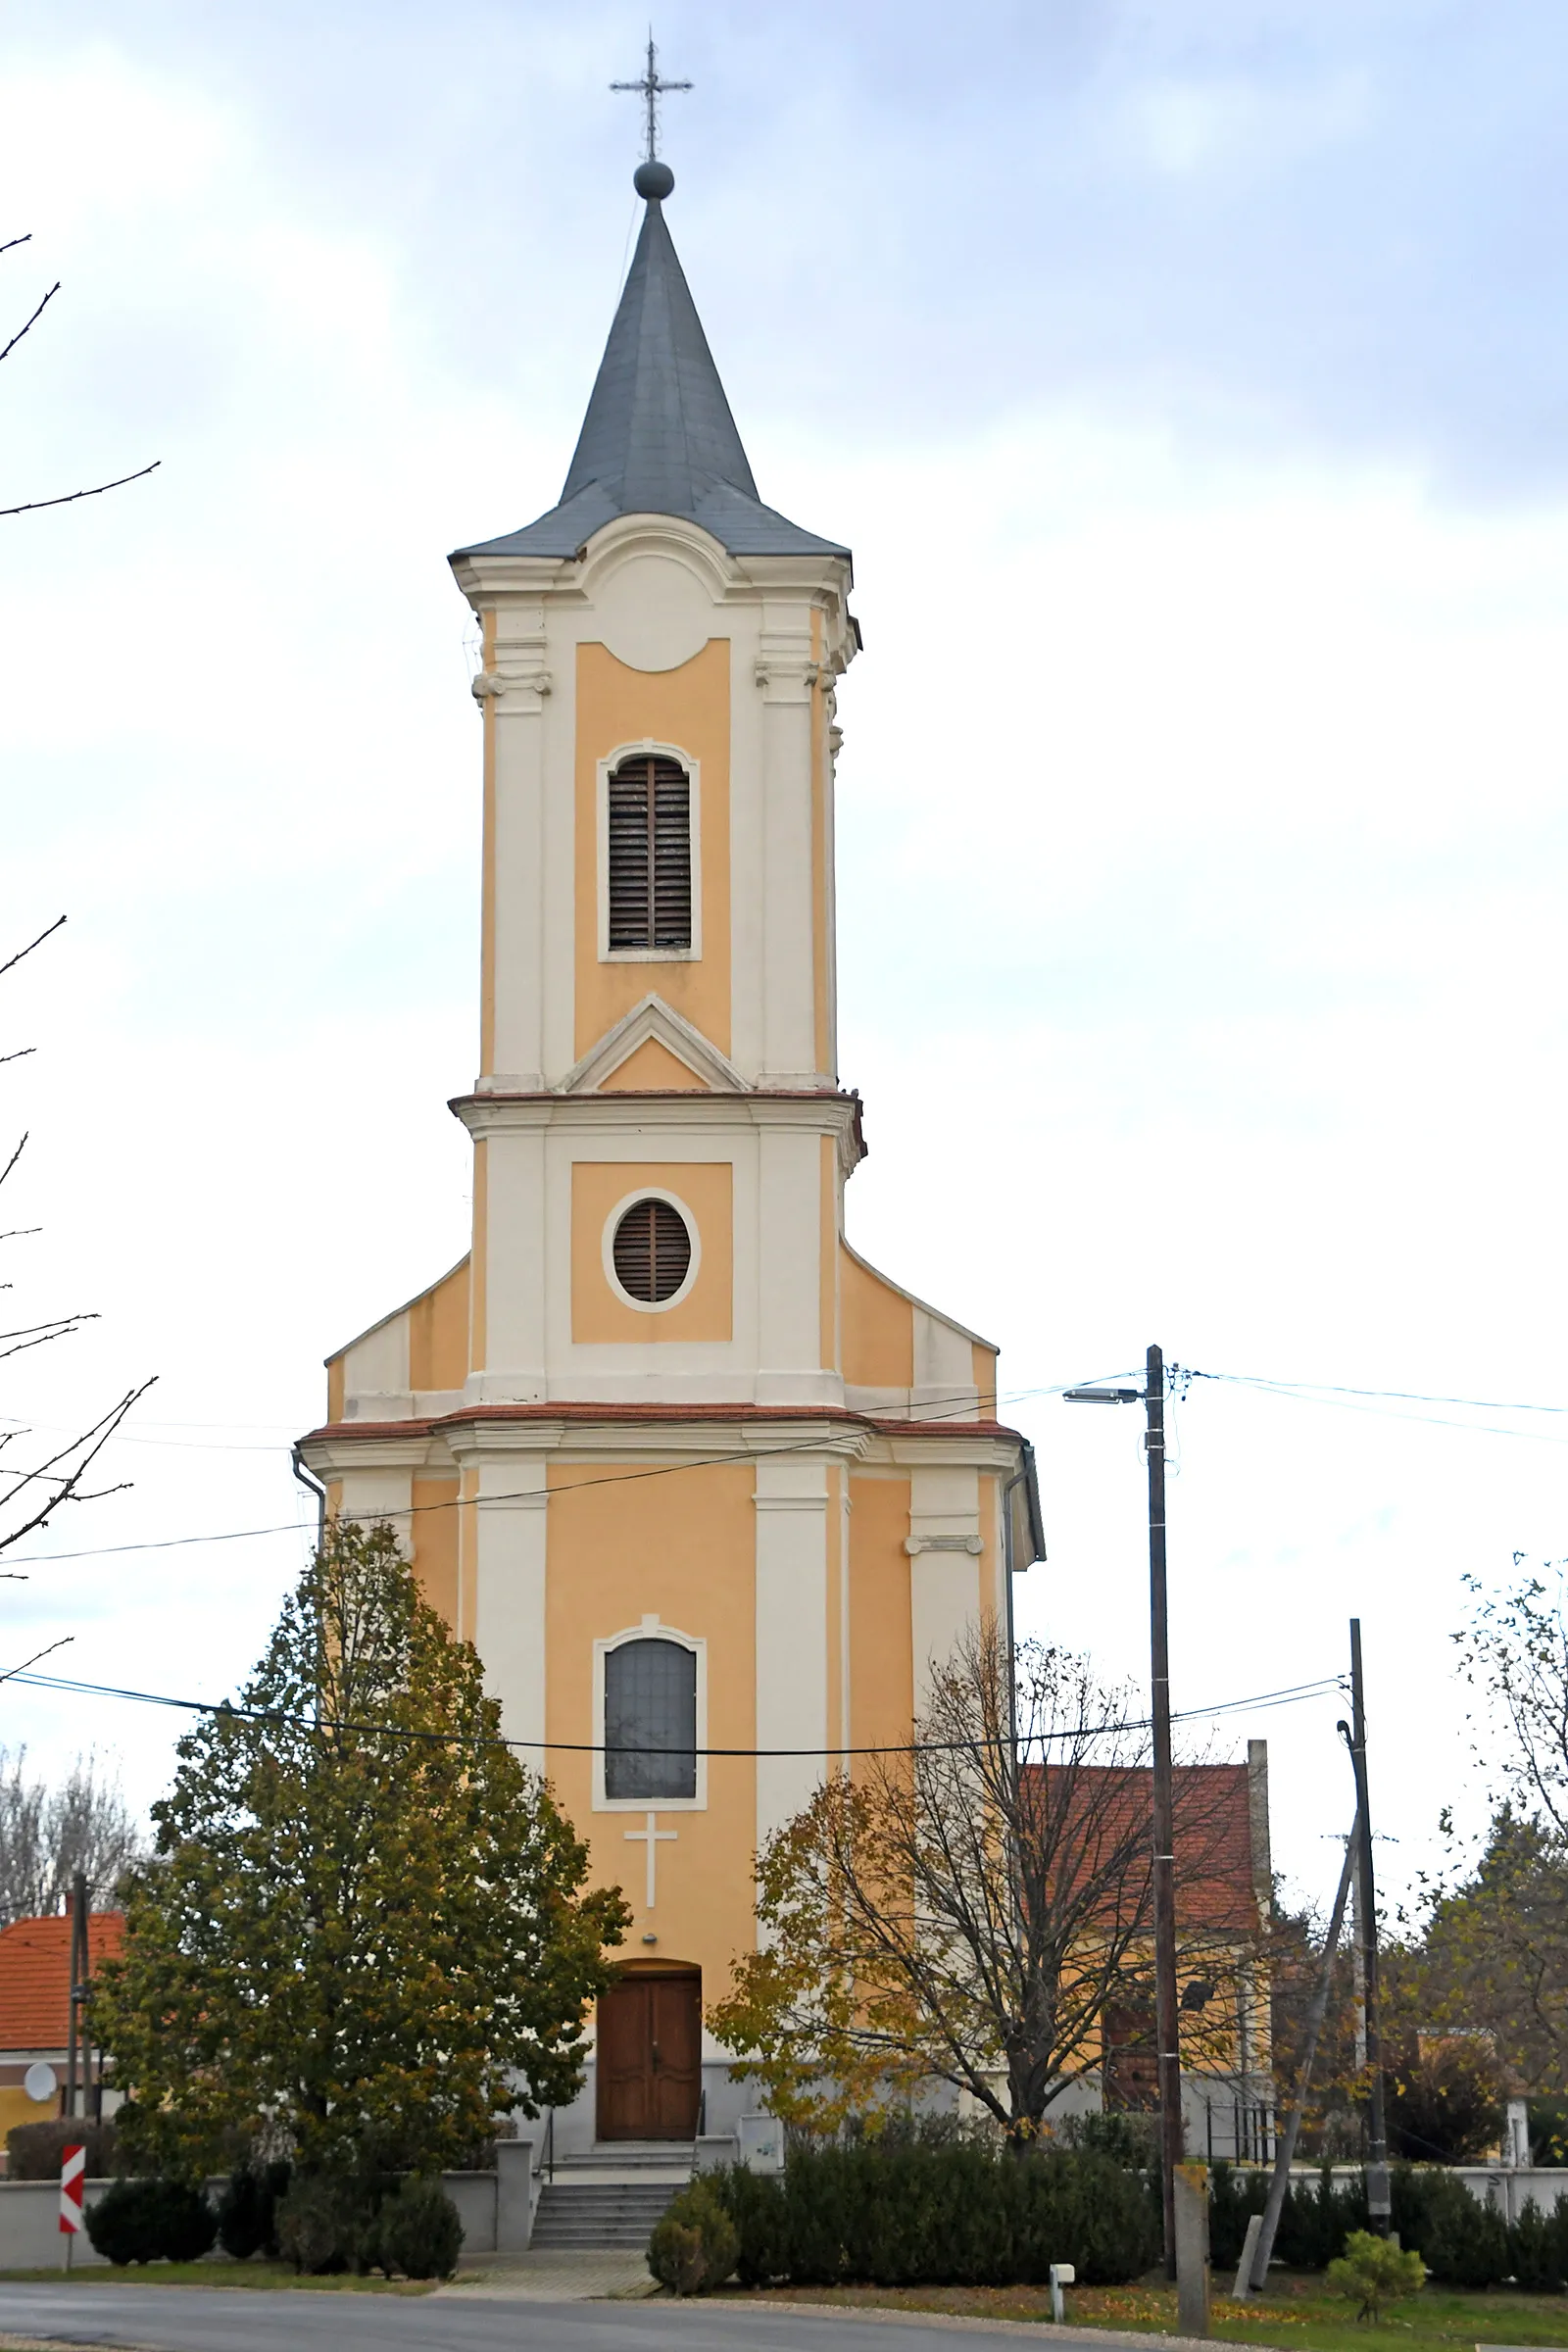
485,1114
739,1430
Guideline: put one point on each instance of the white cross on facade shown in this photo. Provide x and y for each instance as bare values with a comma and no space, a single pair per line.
653,1837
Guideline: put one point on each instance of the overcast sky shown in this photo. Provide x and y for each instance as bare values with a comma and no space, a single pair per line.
1190,379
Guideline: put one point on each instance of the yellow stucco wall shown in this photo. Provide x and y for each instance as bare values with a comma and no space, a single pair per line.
653,1069
707,1188
438,1333
881,1640
878,1329
688,708
435,1542
683,1545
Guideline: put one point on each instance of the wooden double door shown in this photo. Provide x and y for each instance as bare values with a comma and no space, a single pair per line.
650,2057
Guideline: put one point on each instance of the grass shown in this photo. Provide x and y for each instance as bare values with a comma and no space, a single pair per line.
1297,2313
220,2272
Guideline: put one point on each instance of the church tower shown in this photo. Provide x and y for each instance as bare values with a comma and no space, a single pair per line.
707,1491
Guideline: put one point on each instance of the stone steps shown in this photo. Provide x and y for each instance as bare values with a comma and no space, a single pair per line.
586,2213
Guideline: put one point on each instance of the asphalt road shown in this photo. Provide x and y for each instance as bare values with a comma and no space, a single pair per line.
238,2319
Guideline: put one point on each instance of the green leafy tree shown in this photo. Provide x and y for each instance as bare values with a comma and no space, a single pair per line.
1491,1954
364,1927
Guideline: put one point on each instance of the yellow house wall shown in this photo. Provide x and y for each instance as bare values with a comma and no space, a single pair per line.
687,708
985,1379
683,1545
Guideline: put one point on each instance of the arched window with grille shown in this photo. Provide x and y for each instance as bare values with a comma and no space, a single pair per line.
649,855
650,1721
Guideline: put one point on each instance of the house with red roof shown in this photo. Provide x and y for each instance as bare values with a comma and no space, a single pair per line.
1224,1897
36,2006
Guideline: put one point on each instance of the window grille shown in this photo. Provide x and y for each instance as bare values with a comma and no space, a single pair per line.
652,1252
651,1721
650,856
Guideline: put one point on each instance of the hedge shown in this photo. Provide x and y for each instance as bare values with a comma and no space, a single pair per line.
960,2215
1462,2241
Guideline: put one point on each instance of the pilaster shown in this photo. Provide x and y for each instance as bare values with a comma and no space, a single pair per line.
791,1501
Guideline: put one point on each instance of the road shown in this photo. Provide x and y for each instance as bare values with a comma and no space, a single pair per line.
238,2319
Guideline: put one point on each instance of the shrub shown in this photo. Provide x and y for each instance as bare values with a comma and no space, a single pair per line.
34,2150
695,2244
1463,2242
1536,2250
1374,2271
327,2223
154,2219
960,2214
1445,2100
247,2210
418,2231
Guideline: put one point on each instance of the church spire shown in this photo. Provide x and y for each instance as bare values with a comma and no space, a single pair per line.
658,437
658,433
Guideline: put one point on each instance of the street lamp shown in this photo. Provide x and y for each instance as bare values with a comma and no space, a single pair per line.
1152,1396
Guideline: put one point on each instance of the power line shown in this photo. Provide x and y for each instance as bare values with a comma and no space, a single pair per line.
616,1478
1480,1405
1290,1697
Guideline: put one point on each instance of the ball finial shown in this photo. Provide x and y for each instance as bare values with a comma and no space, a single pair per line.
653,180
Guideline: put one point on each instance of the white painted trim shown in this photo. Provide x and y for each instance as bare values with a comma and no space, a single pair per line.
652,1017
649,1630
694,834
607,1248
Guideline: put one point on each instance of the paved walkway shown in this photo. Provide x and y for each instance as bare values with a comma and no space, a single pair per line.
557,2274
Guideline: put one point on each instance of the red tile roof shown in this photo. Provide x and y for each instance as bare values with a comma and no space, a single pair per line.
36,1976
1216,1879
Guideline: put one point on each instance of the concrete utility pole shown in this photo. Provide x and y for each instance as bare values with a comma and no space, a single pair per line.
1378,2202
1167,2034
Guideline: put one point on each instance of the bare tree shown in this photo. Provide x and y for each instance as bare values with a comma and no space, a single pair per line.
68,497
961,1913
48,1833
31,1492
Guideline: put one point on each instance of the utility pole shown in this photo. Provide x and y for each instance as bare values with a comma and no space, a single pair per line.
77,1990
1378,2203
1167,2033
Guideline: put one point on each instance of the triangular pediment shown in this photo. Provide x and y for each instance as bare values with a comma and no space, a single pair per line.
680,1058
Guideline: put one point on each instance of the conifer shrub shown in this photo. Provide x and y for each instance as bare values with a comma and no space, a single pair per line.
418,2231
695,2243
1374,2271
1462,2241
153,2220
247,2210
961,2214
1537,2249
325,2223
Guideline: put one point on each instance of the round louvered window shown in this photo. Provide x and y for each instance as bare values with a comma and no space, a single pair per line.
652,1252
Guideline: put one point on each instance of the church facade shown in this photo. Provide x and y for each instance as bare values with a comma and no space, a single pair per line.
707,1491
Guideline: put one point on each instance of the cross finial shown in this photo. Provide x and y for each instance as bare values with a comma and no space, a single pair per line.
651,88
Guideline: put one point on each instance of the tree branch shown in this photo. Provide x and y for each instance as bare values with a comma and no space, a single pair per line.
32,322
32,505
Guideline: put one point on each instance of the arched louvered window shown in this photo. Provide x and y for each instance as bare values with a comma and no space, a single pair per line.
651,1721
650,856
652,1252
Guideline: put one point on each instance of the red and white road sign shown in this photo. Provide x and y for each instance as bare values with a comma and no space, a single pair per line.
72,2167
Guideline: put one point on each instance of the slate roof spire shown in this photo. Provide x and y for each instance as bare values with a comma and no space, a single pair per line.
658,437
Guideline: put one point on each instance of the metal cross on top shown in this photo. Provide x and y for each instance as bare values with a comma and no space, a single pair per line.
651,89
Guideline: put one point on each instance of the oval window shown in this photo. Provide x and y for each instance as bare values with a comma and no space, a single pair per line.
652,1252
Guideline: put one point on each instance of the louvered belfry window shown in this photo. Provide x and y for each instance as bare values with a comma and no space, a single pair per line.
652,1252
650,856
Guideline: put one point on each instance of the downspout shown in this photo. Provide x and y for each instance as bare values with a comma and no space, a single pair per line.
310,1481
